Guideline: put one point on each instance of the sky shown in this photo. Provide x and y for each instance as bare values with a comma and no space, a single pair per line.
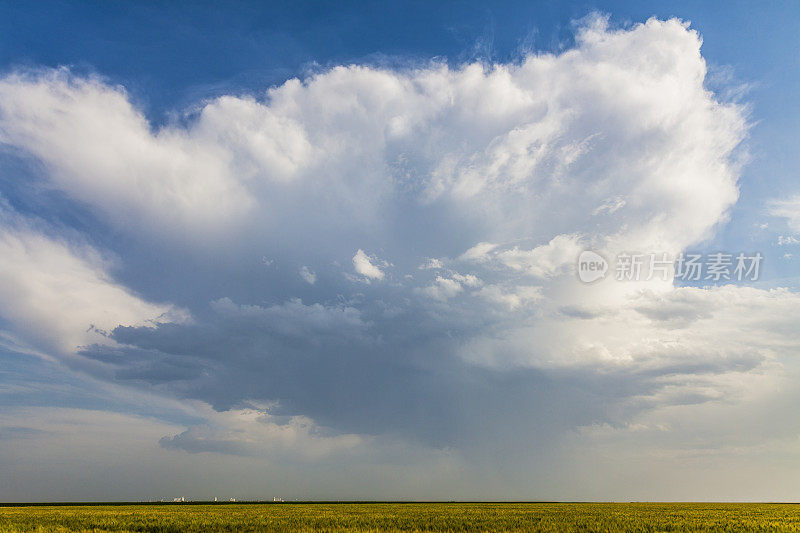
333,251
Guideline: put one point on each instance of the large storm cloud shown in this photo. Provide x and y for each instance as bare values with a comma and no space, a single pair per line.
373,260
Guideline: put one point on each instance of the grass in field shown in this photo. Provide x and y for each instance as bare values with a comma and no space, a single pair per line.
640,517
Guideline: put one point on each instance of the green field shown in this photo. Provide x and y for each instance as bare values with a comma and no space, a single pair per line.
405,517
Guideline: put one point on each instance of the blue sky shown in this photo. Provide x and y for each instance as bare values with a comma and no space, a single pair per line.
361,284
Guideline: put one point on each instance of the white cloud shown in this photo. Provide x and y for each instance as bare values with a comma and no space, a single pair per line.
542,261
366,266
788,209
504,148
728,327
442,289
308,275
294,318
479,252
61,296
512,298
99,149
610,206
468,280
254,431
431,264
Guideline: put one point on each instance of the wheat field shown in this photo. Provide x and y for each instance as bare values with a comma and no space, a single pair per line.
599,517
